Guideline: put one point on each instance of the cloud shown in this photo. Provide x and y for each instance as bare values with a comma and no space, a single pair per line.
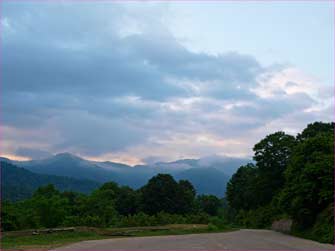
88,134
32,153
105,80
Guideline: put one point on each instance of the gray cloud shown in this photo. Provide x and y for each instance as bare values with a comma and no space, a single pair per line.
32,153
82,55
96,90
88,134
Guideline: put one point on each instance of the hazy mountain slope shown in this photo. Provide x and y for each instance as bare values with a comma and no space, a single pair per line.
18,183
227,165
206,180
209,174
65,164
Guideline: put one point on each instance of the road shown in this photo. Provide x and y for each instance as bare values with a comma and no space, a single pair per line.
238,240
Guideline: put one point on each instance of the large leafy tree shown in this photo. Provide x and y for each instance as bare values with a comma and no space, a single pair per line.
127,201
160,194
314,129
185,197
309,176
272,155
102,202
209,204
241,192
49,206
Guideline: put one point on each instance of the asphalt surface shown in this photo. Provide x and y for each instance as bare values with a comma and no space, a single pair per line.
237,240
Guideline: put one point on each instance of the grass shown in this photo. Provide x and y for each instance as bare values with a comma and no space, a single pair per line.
52,240
46,241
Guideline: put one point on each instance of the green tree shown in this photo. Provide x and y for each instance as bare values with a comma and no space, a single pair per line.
314,129
241,192
160,194
272,155
49,206
9,219
127,201
185,197
209,204
101,205
309,177
46,191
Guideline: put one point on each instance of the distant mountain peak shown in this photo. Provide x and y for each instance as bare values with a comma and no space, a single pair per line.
66,155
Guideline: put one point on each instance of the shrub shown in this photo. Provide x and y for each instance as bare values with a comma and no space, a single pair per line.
200,218
218,222
323,228
261,217
92,221
212,227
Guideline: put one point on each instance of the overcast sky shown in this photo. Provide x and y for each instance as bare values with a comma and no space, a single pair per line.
133,82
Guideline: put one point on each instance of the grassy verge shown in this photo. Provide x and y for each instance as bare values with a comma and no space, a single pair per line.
53,240
46,241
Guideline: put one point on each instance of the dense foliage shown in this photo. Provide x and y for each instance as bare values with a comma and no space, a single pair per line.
161,201
292,178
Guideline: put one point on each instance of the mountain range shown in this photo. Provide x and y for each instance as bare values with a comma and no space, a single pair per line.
208,175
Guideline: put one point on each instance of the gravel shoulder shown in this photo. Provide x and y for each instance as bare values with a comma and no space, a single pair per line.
245,239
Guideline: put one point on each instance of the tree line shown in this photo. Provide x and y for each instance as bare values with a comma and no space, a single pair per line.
291,178
161,201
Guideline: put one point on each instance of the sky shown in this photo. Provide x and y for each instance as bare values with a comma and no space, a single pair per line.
137,82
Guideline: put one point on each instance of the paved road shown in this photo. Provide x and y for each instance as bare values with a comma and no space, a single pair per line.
238,240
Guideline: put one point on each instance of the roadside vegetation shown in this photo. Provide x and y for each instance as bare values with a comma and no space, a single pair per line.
163,206
161,201
290,178
46,241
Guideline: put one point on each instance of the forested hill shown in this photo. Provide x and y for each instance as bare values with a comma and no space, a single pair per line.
18,183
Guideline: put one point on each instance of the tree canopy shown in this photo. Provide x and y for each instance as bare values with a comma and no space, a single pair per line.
292,177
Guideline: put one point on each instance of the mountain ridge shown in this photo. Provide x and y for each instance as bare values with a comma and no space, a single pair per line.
200,171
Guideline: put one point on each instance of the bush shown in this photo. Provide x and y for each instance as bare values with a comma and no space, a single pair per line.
136,220
212,227
218,222
258,218
162,218
200,218
323,228
92,221
73,221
